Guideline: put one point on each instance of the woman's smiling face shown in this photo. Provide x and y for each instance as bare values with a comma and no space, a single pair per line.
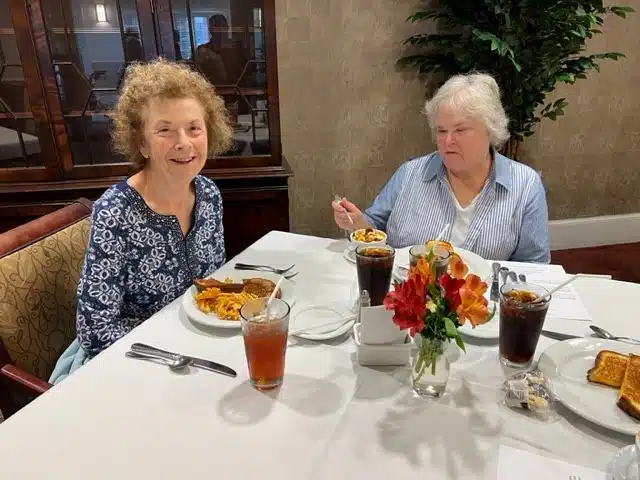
175,137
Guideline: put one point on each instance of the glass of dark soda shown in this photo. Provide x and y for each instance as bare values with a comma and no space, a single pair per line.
521,322
375,265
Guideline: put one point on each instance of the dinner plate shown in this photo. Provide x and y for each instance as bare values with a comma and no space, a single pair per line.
477,265
211,319
489,330
324,321
566,364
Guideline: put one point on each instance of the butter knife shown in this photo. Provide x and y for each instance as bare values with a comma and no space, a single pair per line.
197,362
495,284
558,335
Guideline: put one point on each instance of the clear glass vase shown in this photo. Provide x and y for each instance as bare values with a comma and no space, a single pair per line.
430,371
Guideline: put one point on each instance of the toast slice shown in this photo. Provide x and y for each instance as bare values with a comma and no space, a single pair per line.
260,287
629,396
609,368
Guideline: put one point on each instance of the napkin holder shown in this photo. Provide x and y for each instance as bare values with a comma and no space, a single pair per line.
377,327
398,354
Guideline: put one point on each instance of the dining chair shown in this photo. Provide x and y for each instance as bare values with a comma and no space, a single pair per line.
40,265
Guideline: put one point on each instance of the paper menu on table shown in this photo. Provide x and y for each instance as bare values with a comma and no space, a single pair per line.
518,464
566,303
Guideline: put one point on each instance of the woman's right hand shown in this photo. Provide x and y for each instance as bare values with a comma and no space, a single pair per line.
343,210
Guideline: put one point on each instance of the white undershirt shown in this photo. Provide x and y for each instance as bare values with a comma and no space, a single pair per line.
460,227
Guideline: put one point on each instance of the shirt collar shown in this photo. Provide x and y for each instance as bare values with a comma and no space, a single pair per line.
500,171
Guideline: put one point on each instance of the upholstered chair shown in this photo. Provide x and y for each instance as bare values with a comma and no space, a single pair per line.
40,265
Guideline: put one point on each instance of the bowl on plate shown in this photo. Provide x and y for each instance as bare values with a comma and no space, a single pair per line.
368,237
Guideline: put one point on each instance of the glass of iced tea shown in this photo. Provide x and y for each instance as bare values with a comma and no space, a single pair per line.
521,322
441,254
374,266
265,341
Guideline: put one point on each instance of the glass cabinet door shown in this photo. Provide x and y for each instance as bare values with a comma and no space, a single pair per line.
22,133
91,44
225,41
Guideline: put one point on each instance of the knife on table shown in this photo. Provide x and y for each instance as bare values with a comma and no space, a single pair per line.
558,335
197,362
495,284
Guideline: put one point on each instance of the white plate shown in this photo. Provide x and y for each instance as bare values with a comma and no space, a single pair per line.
566,363
477,265
624,465
211,319
307,316
489,330
349,254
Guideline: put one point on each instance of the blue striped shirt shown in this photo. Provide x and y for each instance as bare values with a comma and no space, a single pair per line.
510,221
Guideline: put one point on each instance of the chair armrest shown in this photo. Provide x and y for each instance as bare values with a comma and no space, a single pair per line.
30,383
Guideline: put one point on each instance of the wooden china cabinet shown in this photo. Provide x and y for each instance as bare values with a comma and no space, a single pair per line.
61,66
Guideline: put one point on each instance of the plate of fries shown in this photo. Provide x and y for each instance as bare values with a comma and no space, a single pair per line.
217,307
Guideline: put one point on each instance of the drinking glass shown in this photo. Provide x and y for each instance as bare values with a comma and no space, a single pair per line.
374,266
441,254
520,322
265,341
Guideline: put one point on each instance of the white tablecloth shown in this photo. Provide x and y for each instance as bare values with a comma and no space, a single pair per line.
332,418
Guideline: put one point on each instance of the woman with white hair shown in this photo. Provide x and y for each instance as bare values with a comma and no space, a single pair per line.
496,207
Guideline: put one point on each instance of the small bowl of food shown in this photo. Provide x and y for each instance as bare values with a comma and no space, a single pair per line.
369,237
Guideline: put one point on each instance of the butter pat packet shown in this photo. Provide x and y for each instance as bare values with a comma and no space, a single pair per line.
530,391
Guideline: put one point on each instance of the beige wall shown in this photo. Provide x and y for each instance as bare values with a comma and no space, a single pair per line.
349,117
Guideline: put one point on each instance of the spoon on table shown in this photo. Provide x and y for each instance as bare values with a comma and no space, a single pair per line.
174,364
602,333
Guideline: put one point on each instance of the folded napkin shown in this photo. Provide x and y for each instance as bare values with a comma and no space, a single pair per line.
514,463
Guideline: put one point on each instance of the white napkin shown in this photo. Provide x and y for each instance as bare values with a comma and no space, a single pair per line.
514,463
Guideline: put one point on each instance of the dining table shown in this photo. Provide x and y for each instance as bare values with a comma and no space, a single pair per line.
332,418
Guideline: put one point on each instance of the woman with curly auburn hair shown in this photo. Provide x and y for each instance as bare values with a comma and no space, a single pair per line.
156,231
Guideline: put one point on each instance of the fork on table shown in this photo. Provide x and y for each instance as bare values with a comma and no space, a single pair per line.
266,268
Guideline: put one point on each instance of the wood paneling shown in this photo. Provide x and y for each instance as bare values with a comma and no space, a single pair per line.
622,262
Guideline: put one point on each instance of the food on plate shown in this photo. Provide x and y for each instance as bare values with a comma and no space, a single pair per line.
225,287
225,305
441,243
629,396
608,369
225,299
260,287
369,235
619,371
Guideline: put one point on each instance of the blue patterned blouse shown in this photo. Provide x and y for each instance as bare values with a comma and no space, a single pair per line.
138,261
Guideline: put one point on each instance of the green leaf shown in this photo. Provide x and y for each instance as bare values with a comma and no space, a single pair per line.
527,45
460,344
622,10
450,328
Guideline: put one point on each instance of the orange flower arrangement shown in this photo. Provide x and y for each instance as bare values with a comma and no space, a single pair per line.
436,307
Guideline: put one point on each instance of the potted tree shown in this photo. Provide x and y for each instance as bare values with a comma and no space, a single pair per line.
529,46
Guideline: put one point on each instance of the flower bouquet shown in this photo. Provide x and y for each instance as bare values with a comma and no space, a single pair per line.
434,308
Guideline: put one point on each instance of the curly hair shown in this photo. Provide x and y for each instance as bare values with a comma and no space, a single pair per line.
162,79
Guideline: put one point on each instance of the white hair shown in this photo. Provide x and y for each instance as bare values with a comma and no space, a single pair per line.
476,95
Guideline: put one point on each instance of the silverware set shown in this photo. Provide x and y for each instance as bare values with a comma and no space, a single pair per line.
500,276
267,268
175,361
